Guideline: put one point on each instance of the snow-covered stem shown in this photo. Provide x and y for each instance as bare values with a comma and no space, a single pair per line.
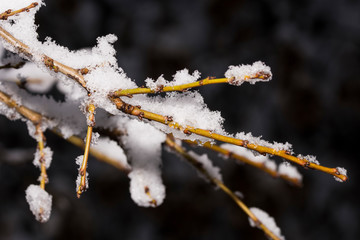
181,151
184,87
41,143
243,159
36,119
33,116
82,170
136,111
178,88
9,13
48,62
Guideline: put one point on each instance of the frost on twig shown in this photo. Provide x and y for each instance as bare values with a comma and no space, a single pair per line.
258,71
93,76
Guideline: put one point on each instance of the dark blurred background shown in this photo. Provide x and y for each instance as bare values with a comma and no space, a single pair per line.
313,102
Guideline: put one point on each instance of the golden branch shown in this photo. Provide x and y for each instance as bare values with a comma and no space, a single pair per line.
41,143
183,87
82,170
180,150
136,111
9,13
36,119
242,159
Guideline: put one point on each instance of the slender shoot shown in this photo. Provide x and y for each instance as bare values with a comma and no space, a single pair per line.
82,170
9,13
41,140
183,87
180,150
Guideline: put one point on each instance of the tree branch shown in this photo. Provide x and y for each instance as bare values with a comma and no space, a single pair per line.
36,119
136,111
82,170
41,143
258,165
180,150
9,13
15,66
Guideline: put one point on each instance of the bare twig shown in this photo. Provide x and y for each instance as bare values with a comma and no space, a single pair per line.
180,150
41,143
82,170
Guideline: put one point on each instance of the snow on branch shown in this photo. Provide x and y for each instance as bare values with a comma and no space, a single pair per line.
91,79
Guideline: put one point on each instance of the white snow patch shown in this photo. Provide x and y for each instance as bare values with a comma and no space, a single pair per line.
207,164
246,153
143,143
309,158
242,73
342,171
258,141
181,77
111,149
39,201
47,157
290,171
267,220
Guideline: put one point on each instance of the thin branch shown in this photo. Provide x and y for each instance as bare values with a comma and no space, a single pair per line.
82,170
9,13
29,114
48,62
184,87
171,143
41,143
242,159
136,111
36,119
179,88
15,66
75,140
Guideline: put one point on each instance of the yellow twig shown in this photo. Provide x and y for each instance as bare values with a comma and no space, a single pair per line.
153,200
171,143
245,160
9,13
136,111
183,87
36,119
43,176
33,116
82,170
97,154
